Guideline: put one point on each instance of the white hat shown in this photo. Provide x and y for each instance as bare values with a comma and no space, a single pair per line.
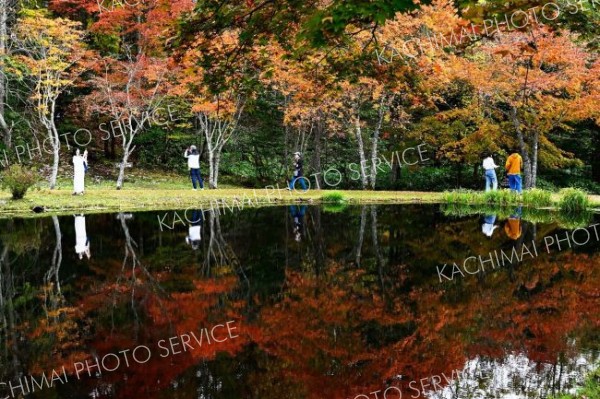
192,147
297,153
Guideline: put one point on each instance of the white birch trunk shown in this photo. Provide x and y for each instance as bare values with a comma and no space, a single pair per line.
361,152
534,162
128,147
4,129
124,160
49,123
375,142
217,133
216,168
211,160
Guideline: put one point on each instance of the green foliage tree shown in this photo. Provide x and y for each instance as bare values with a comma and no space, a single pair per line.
18,179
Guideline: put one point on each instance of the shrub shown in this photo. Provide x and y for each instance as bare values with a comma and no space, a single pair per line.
18,179
546,185
573,200
461,197
501,197
333,197
425,178
537,197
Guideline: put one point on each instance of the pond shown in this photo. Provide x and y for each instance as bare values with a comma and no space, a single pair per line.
297,302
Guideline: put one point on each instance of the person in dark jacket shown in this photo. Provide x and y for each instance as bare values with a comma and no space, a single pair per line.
298,172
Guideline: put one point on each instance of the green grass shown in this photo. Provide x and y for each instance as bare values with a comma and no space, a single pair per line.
590,389
153,192
498,197
573,200
148,191
569,200
533,198
537,198
333,197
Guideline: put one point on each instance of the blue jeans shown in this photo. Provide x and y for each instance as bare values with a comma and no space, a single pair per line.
514,182
195,175
491,180
300,179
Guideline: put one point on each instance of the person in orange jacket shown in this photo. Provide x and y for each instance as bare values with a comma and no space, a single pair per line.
513,166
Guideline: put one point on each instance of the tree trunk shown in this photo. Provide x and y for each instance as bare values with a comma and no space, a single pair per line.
361,153
396,175
286,150
378,255
361,235
316,163
319,240
524,151
375,143
113,151
57,255
128,149
211,149
211,165
219,253
595,160
534,162
106,149
7,277
4,129
216,168
121,177
211,168
217,133
53,133
51,278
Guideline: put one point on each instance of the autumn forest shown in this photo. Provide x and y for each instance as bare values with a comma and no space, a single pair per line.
394,275
251,82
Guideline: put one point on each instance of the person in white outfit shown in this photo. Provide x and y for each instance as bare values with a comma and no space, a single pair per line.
489,166
79,164
82,243
194,231
193,158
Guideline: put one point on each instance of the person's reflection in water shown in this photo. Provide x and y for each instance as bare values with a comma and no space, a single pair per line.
297,212
82,242
194,236
513,227
489,225
514,230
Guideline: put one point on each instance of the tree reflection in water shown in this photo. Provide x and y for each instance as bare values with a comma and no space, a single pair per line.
349,315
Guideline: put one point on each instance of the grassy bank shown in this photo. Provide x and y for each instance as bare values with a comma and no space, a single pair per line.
152,191
173,194
567,200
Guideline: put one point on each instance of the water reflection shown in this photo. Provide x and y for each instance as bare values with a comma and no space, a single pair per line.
82,241
297,212
489,225
512,227
489,378
351,307
194,236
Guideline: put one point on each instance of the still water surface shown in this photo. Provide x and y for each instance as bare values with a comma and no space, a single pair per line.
320,304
